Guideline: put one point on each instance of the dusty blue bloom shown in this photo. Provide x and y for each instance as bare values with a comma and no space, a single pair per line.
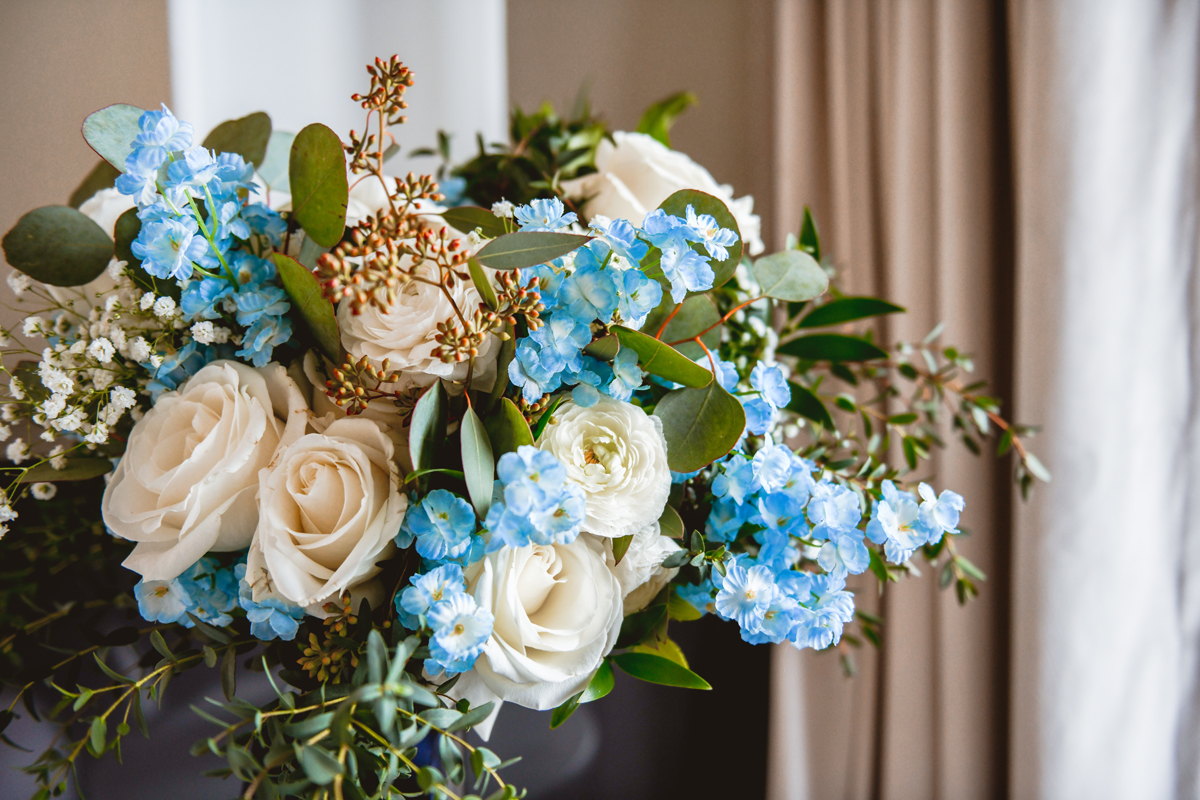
442,523
745,595
460,630
162,601
168,248
709,233
544,215
426,590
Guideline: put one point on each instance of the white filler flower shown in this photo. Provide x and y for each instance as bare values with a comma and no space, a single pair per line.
187,482
617,453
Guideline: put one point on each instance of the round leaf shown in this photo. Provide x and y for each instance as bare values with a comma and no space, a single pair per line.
791,275
661,359
304,290
700,425
58,245
320,191
247,137
274,168
111,131
676,205
528,249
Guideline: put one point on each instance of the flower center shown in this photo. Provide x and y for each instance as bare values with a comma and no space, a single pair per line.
750,594
458,629
589,456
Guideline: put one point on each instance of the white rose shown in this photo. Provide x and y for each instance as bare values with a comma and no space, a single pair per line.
557,613
404,334
329,506
187,482
634,176
640,571
617,453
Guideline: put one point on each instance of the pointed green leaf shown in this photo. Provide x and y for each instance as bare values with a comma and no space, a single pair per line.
680,609
700,425
670,524
848,309
246,136
791,275
102,176
676,205
58,245
160,644
605,348
656,669
600,685
482,284
471,718
564,712
111,131
658,118
318,764
809,241
304,290
77,469
528,249
229,672
98,734
110,672
808,405
508,349
274,168
467,218
506,428
661,359
637,627
832,347
620,547
479,467
320,191
545,418
427,430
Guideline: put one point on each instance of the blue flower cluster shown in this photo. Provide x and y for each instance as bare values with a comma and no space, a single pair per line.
533,502
804,608
902,526
170,180
443,526
271,618
460,627
604,282
205,590
770,392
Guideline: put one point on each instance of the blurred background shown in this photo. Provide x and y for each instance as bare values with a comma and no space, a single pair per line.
1023,171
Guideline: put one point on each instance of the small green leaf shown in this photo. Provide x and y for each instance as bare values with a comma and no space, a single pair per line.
605,348
506,428
676,205
160,644
902,419
700,425
479,467
910,451
274,168
102,176
247,136
468,218
805,403
111,131
139,718
58,245
848,309
508,349
1037,468
317,313
545,418
809,241
877,566
229,672
661,359
482,284
832,347
638,626
471,718
656,669
98,733
620,547
319,764
427,430
670,524
600,685
564,712
680,609
658,118
110,672
212,632
76,469
440,718
528,249
966,566
320,191
790,275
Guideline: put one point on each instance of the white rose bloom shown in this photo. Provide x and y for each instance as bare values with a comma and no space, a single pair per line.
187,482
640,571
404,333
617,453
634,176
330,505
558,611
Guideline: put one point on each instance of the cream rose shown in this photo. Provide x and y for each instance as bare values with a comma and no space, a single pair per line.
329,506
187,482
617,453
637,173
557,612
640,571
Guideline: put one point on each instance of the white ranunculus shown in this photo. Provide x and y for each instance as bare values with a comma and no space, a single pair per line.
617,453
637,173
329,506
640,571
404,334
187,482
558,611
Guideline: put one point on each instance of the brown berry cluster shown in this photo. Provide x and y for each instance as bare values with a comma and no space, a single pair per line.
459,342
389,80
327,659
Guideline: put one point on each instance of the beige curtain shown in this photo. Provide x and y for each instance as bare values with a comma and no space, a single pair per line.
906,126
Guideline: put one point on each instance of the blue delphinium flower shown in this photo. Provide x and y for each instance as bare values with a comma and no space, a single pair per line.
427,590
637,296
778,621
544,215
700,596
442,524
833,508
896,524
745,595
461,629
213,590
199,298
590,292
271,617
829,608
627,376
737,479
687,270
939,515
622,237
710,233
726,520
255,302
160,129
263,337
168,248
773,394
534,502
162,601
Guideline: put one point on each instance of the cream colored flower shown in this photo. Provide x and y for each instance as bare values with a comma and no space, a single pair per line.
640,571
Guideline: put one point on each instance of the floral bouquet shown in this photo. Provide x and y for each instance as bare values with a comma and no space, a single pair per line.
413,448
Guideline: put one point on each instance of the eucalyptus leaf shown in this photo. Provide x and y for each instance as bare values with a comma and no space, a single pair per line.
508,350
605,348
700,425
848,309
58,245
507,428
427,430
620,547
111,131
699,315
440,718
656,669
482,284
467,218
320,191
791,275
274,168
246,136
832,347
304,290
80,468
471,718
102,176
97,734
528,249
659,358
479,467
702,203
805,403
229,672
318,764
670,524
